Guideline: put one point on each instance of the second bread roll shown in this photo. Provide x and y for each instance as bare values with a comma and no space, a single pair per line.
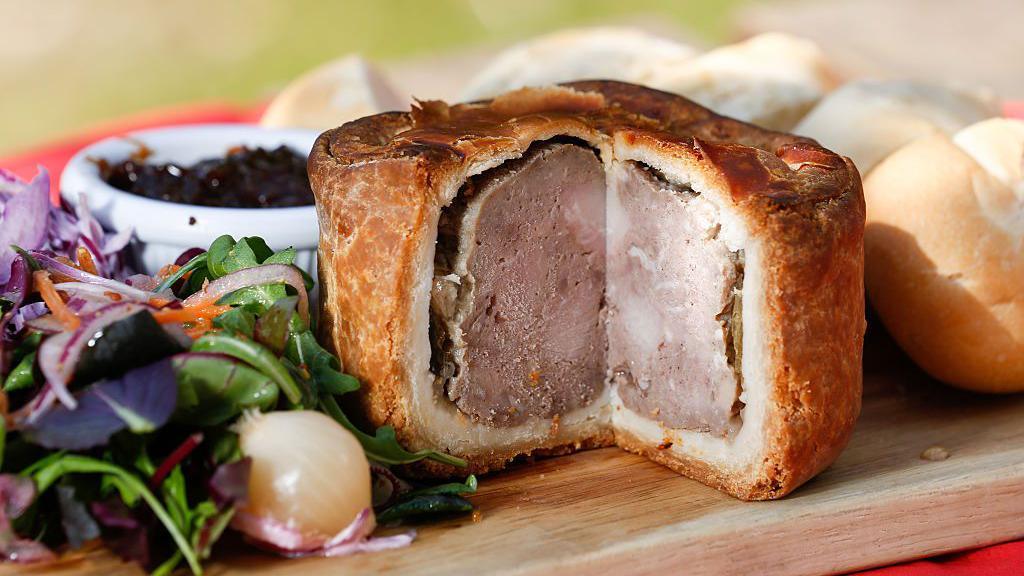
944,253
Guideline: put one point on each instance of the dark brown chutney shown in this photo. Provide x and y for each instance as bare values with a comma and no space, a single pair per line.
243,178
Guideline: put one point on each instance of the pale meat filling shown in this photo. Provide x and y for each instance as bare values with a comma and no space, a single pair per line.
672,284
535,309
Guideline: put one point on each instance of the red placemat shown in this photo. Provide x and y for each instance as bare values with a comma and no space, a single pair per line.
1000,560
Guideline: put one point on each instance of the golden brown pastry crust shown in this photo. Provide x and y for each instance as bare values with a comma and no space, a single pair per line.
378,180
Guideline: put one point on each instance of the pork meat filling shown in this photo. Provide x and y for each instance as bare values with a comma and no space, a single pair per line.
528,283
673,288
530,319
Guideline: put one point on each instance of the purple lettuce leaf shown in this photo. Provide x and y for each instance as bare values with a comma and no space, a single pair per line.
114,513
141,400
124,533
24,219
16,494
79,526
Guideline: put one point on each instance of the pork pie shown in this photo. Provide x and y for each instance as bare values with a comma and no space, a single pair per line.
592,264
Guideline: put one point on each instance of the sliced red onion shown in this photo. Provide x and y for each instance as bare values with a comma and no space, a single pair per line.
47,324
256,276
114,244
85,305
63,230
386,486
103,248
26,213
58,355
54,265
25,314
285,540
14,291
103,292
142,282
229,485
373,544
49,357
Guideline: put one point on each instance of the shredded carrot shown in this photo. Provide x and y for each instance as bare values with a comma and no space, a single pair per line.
198,328
159,302
168,271
203,310
54,302
85,261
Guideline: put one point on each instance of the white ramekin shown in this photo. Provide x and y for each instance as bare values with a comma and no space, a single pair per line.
164,230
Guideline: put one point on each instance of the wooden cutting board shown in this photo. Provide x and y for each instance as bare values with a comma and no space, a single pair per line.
608,512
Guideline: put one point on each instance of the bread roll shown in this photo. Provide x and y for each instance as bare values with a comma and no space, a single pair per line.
598,263
945,256
771,79
332,94
867,120
608,53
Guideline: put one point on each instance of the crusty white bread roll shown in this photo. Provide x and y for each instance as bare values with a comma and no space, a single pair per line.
944,252
597,263
332,94
866,120
609,53
771,79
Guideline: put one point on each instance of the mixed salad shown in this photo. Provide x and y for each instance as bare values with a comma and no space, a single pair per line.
153,412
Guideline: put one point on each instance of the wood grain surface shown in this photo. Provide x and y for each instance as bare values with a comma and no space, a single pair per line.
608,512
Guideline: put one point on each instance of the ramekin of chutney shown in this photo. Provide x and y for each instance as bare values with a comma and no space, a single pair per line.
181,187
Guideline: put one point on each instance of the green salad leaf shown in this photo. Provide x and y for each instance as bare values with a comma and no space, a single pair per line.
213,389
227,256
431,500
271,328
199,261
241,321
425,505
383,446
22,376
131,342
257,356
456,488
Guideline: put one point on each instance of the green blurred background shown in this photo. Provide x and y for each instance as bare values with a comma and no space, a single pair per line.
68,64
